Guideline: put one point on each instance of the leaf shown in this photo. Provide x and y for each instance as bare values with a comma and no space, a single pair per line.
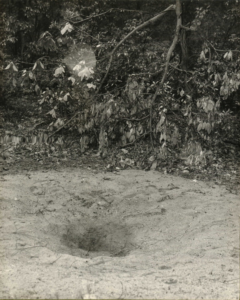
59,71
12,67
190,121
15,68
202,56
8,66
72,79
67,28
44,34
31,76
182,93
52,113
41,101
46,42
217,104
186,113
163,137
77,68
140,129
34,67
109,112
210,106
91,86
225,76
37,89
162,120
133,110
41,65
133,85
86,72
199,126
59,123
159,124
230,55
221,90
154,165
208,127
65,98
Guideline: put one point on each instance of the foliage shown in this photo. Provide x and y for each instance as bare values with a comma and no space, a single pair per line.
61,52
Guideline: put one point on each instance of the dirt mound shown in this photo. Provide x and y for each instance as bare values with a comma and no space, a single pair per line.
130,234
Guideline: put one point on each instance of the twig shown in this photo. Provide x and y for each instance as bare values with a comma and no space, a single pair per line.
37,125
51,263
77,22
230,280
121,292
110,10
20,249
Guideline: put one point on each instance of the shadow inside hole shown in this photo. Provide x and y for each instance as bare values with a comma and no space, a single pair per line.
101,239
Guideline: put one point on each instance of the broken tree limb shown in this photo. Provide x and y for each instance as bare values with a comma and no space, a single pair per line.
170,51
151,21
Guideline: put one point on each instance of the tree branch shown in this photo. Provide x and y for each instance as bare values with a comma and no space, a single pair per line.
95,16
78,22
151,21
170,51
220,50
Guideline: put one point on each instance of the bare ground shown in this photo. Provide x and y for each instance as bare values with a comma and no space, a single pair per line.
79,233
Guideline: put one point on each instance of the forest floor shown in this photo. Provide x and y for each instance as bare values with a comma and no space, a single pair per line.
76,231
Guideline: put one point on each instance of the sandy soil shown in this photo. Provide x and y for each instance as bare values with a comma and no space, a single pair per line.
79,233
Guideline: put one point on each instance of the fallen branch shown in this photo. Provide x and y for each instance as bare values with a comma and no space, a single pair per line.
151,21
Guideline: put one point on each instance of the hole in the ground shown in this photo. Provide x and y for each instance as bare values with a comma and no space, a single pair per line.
98,239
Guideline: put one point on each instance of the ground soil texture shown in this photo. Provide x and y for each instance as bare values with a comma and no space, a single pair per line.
86,233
